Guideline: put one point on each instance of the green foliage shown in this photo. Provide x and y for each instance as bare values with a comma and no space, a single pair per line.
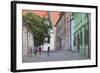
38,26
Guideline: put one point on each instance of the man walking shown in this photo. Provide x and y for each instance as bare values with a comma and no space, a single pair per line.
39,50
48,51
35,51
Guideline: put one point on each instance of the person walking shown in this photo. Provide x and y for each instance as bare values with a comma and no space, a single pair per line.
30,51
35,51
48,51
39,50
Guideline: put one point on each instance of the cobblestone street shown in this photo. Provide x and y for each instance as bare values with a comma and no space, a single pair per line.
60,55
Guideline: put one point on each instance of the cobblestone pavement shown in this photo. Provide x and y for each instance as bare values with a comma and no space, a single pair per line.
60,55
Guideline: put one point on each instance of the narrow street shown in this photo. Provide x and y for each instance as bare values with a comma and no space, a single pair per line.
55,30
60,55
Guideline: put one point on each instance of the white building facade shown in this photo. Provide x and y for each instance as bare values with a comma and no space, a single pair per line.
52,33
50,44
27,41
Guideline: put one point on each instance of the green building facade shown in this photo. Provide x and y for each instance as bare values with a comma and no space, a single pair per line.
81,33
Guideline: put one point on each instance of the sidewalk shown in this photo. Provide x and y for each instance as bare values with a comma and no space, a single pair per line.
54,56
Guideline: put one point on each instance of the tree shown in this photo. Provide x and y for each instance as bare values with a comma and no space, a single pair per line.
38,26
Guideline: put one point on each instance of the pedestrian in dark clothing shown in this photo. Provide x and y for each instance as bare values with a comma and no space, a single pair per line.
35,51
30,51
39,50
48,52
